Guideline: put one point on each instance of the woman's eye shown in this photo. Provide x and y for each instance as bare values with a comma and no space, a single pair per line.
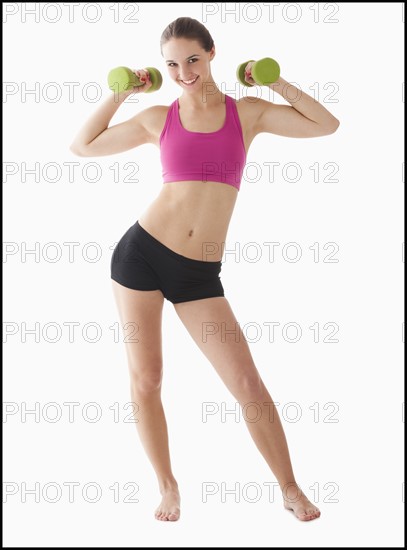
172,64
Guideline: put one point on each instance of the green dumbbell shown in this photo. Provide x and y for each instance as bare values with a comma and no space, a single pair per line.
264,71
122,79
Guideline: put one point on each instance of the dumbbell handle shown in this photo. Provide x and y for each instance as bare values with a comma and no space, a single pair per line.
136,81
264,71
121,73
122,79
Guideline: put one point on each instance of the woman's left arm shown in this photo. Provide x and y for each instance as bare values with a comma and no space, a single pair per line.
306,117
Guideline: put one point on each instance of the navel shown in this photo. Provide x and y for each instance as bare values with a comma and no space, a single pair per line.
191,232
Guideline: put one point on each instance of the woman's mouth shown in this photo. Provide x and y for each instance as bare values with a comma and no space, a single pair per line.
190,82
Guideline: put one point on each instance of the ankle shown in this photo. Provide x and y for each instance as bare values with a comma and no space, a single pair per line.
291,491
167,485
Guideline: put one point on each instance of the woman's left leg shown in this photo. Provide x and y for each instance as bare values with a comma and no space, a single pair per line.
213,326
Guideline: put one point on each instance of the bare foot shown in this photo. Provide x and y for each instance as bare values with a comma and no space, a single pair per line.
297,502
169,509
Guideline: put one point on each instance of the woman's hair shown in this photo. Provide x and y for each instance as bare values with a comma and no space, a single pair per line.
186,27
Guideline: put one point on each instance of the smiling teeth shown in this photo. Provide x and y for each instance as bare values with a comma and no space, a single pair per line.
189,81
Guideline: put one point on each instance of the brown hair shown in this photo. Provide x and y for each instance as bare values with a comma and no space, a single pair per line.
186,27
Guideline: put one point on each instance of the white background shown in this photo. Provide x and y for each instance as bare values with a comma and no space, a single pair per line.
351,468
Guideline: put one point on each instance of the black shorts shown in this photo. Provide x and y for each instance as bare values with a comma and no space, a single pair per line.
141,262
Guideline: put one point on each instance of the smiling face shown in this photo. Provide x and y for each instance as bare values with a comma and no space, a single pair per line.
188,63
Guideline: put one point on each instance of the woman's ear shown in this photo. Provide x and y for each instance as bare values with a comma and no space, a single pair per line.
212,53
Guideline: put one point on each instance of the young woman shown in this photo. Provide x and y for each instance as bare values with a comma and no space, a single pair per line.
174,250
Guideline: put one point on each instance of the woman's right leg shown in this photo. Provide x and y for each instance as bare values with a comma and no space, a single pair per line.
140,313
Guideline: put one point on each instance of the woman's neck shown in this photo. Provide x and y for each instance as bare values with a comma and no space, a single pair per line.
206,98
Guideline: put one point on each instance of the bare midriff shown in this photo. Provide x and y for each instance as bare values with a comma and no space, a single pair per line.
192,218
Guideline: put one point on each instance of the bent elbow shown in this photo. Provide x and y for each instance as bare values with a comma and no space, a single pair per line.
77,151
334,127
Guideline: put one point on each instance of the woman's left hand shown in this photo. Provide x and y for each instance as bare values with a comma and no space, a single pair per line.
248,74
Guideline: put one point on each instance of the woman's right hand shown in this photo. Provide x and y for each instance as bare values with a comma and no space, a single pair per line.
143,75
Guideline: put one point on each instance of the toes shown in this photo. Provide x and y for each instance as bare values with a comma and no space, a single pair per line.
305,512
171,516
167,516
305,515
310,513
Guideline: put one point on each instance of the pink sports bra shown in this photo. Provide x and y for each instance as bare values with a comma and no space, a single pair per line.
197,156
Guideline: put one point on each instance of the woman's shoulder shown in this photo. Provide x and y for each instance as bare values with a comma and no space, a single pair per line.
248,105
249,110
154,119
153,115
156,111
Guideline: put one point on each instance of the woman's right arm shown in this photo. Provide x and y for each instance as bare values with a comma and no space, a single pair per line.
95,139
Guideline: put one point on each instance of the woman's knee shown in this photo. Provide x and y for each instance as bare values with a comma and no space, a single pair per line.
249,387
146,380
